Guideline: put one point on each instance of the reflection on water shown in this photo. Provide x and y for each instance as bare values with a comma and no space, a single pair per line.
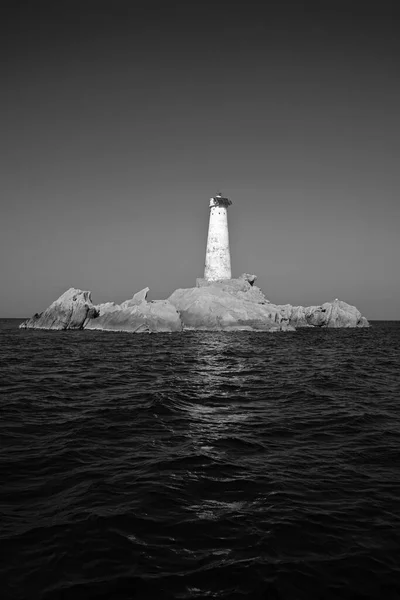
201,465
216,420
218,366
218,370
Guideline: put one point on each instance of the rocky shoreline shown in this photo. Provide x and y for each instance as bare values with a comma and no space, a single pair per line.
226,305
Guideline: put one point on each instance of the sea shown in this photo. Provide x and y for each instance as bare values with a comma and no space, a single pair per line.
200,465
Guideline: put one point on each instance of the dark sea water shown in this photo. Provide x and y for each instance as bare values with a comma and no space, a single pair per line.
200,465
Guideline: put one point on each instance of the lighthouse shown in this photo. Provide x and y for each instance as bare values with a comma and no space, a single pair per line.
218,257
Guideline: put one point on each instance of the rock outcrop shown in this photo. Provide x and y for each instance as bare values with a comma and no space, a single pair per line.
229,305
75,310
72,310
329,314
226,305
158,316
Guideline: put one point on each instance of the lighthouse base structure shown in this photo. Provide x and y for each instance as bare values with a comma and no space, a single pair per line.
218,257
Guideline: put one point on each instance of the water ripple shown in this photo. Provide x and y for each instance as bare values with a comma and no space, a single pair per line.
202,465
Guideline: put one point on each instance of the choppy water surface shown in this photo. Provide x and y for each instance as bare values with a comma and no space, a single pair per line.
200,465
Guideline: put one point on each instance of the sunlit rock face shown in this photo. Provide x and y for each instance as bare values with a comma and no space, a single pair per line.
224,305
237,304
70,311
74,310
145,317
329,314
227,304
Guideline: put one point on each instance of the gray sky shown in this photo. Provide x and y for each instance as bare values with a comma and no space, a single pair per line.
118,125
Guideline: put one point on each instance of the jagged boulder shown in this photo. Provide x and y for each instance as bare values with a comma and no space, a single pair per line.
138,298
71,310
329,314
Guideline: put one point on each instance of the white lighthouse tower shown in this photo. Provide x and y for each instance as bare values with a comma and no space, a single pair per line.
218,257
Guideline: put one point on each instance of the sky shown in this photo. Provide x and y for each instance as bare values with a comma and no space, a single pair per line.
119,120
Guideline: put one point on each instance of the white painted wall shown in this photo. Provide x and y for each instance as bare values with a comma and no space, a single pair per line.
218,257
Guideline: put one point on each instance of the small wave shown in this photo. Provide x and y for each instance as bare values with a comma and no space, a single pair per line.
200,466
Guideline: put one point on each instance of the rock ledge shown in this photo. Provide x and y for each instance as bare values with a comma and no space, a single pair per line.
226,305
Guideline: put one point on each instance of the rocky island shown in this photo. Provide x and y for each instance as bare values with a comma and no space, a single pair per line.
217,303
